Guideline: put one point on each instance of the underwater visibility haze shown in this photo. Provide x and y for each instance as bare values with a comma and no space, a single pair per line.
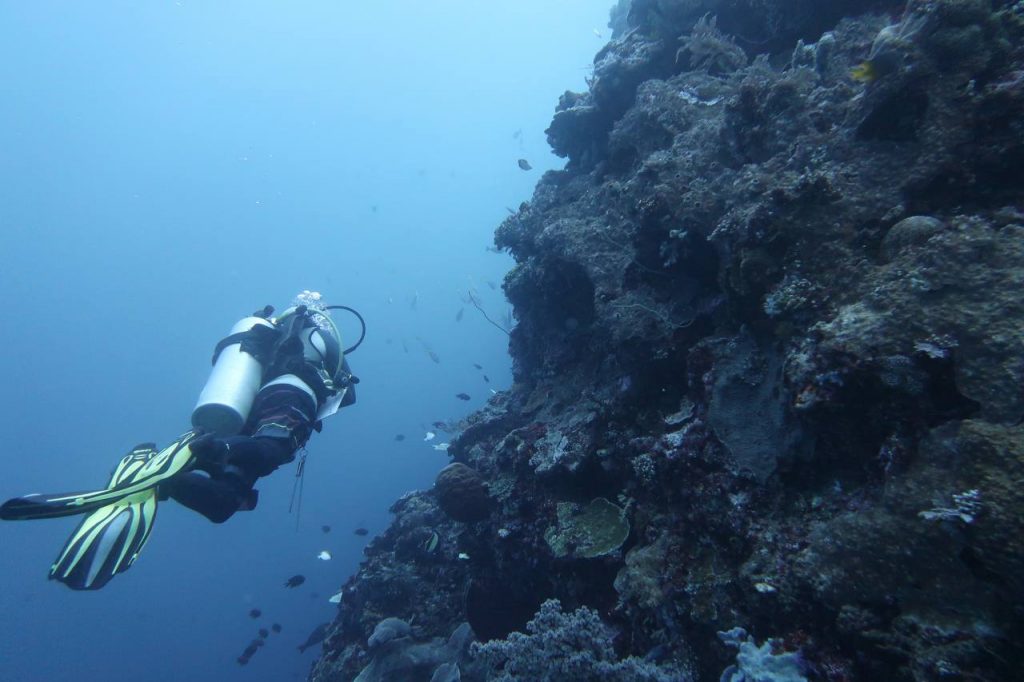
694,340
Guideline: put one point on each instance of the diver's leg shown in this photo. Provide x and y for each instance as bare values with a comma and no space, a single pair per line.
215,498
281,421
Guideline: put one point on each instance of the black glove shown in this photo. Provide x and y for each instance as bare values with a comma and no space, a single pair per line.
211,454
257,457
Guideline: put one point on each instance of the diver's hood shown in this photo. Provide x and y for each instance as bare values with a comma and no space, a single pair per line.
321,341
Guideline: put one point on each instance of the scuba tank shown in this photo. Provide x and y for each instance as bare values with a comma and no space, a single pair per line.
237,375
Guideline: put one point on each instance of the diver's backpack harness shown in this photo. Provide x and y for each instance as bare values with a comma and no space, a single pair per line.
302,342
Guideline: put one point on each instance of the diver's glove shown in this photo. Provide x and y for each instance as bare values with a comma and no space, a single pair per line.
242,456
210,453
257,456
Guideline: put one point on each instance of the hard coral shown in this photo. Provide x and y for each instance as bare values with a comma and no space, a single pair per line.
599,528
461,493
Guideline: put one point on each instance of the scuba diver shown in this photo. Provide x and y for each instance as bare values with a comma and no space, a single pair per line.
274,380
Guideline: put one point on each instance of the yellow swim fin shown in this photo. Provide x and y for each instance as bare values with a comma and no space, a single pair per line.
118,518
106,542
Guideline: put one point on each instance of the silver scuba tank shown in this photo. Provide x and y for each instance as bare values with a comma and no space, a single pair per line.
227,397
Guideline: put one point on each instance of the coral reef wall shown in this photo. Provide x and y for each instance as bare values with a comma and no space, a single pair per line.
769,368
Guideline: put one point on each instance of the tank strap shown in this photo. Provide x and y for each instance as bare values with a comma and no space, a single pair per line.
258,342
280,350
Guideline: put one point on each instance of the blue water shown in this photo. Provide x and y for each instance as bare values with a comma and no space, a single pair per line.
169,167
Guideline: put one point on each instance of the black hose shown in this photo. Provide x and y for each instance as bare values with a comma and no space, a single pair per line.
362,324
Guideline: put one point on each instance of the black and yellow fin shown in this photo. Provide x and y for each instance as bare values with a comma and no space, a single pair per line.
141,469
106,542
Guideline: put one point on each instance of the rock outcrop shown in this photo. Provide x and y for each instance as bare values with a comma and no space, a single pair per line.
771,314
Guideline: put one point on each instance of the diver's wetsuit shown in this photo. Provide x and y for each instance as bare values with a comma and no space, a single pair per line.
281,421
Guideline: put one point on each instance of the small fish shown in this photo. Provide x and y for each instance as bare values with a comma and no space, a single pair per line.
511,211
462,396
442,447
430,436
361,532
315,637
276,627
250,651
486,379
405,346
324,555
865,72
431,542
597,33
433,356
255,613
477,366
325,529
264,633
492,284
439,425
493,392
463,556
335,598
458,315
295,581
414,300
517,134
524,164
399,437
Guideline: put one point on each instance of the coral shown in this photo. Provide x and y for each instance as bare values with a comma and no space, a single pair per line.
645,468
397,655
461,493
759,663
599,528
569,647
965,508
913,231
387,630
710,50
639,581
